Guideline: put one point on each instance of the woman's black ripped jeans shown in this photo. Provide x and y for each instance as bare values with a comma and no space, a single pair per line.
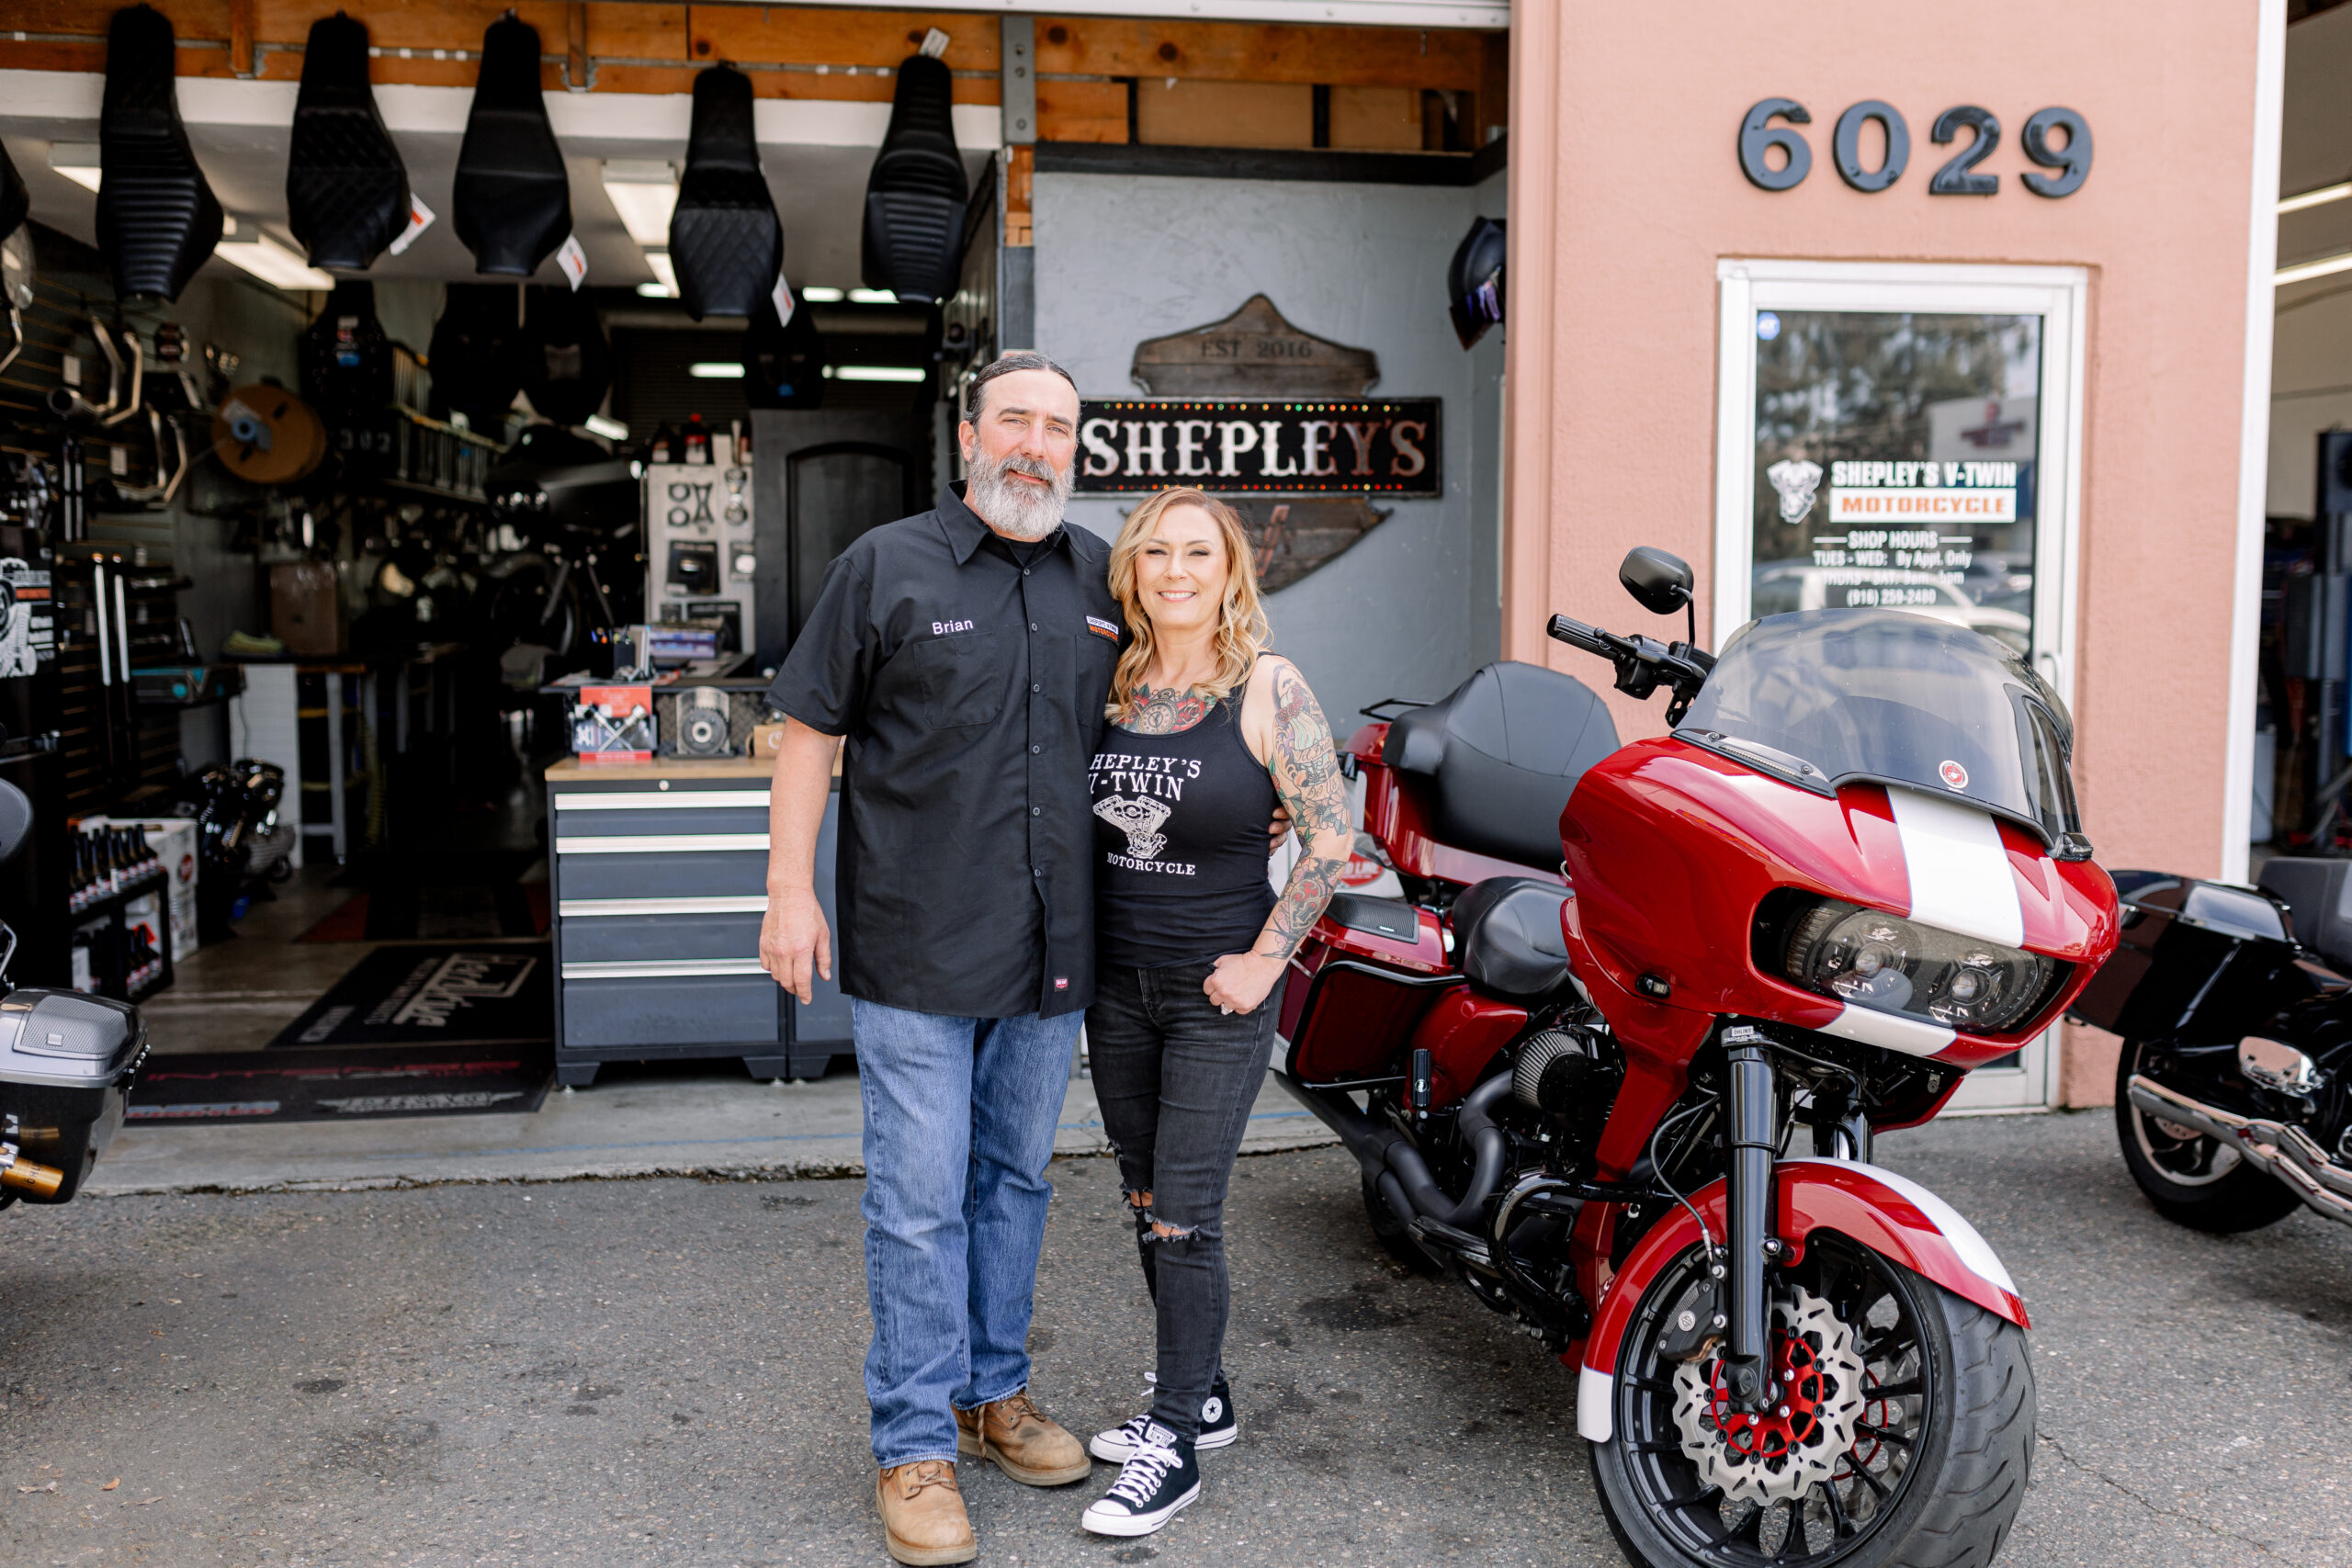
1175,1080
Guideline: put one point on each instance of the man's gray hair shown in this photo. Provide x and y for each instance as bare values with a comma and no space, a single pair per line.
1005,364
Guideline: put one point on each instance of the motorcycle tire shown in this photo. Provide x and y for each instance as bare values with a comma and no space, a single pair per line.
2177,1175
1391,1231
1949,1502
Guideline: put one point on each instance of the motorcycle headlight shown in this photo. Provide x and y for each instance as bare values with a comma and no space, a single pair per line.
1876,960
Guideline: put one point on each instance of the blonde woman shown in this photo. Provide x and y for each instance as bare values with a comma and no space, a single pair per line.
1206,730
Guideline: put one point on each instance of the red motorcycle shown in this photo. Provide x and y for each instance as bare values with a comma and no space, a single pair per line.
1851,875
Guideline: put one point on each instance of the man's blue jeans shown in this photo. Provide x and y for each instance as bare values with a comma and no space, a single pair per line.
960,1114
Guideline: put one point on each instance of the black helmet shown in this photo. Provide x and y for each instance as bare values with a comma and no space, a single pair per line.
1474,280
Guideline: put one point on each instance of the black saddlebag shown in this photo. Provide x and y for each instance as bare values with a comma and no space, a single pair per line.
2197,960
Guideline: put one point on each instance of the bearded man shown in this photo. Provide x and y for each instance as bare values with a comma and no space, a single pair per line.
965,654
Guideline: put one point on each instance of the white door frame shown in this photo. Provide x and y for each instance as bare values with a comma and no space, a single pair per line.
2060,295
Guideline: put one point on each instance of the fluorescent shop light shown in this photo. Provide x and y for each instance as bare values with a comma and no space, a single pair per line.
77,161
272,263
610,429
643,192
2340,261
818,294
665,283
2319,197
716,370
873,373
868,297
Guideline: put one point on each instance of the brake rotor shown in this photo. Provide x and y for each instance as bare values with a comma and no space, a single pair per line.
1793,1444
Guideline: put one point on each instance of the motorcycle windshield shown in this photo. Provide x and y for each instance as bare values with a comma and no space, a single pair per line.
1823,697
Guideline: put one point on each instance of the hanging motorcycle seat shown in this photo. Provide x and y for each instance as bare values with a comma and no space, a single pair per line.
724,238
783,361
347,189
346,357
14,201
1503,752
511,202
157,217
567,363
915,196
1506,933
476,354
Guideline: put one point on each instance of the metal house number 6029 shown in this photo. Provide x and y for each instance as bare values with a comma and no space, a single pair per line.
1759,138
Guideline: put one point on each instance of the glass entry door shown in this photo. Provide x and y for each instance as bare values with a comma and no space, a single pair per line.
1902,437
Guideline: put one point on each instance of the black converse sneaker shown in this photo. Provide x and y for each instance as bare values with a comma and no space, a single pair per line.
1160,1476
1220,1427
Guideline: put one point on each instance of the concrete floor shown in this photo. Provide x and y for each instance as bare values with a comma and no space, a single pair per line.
666,1371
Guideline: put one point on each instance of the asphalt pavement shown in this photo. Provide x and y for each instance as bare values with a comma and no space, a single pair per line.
666,1371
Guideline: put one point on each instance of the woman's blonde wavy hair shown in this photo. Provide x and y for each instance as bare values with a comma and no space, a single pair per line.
1241,618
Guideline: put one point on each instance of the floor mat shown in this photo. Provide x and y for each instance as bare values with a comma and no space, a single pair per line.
448,911
433,996
341,1086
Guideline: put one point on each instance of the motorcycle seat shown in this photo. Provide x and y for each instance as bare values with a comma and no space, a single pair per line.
1502,754
157,217
724,238
2318,895
1507,940
511,201
347,189
915,198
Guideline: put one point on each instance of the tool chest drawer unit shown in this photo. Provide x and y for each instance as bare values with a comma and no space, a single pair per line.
659,881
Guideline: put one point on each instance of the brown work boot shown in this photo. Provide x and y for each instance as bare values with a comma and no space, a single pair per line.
923,1513
1025,1444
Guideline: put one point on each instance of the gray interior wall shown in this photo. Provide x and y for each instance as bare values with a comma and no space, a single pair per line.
1411,609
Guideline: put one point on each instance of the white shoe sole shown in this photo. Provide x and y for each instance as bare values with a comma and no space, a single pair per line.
1136,1524
1112,1448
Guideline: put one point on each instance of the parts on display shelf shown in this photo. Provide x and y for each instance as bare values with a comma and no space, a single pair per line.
265,434
241,845
157,217
783,359
567,363
347,189
1474,280
700,555
682,642
915,198
708,721
612,724
476,353
511,202
725,241
185,685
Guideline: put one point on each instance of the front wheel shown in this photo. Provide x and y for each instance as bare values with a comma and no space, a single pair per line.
2188,1177
1903,1436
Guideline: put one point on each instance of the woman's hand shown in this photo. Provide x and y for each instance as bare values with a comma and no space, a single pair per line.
1240,980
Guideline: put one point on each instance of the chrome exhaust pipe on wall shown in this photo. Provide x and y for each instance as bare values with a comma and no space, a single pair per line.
2284,1151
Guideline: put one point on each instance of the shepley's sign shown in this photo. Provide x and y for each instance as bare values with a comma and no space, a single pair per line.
1375,447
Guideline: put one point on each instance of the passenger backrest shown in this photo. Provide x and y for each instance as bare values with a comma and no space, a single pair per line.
1502,754
2319,892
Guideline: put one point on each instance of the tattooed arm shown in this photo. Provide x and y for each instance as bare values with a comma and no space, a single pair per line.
1305,766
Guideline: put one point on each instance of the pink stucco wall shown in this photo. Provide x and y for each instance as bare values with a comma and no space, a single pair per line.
1626,190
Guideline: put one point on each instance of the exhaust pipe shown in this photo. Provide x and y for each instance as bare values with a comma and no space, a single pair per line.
41,1180
1391,1162
2282,1150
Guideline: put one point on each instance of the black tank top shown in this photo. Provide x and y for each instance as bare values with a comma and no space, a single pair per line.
1180,838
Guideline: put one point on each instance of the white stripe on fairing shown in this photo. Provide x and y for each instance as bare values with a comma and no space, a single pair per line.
1595,1393
1961,879
1974,1252
1869,1027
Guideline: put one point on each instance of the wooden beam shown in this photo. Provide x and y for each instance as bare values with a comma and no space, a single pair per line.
1229,52
241,37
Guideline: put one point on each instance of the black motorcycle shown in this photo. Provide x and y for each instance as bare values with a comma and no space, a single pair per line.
2233,1093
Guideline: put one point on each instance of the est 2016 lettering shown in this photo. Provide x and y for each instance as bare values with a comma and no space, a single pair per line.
1759,139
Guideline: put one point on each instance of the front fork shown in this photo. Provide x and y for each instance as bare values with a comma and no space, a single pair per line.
1753,1119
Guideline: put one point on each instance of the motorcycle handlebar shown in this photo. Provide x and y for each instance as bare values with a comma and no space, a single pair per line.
1575,634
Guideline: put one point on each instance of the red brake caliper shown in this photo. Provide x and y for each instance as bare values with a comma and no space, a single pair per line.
1789,1420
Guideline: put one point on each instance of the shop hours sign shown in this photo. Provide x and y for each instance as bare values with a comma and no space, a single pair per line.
1356,446
1777,157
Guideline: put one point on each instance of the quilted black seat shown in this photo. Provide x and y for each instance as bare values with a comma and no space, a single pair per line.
510,203
1502,754
724,238
783,361
916,195
1507,931
157,217
476,356
567,363
347,189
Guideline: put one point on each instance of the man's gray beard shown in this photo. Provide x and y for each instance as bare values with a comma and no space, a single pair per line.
1022,511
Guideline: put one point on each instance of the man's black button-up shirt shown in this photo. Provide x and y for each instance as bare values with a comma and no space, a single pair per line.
968,674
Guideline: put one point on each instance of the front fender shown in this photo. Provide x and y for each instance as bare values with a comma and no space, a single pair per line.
1892,1215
